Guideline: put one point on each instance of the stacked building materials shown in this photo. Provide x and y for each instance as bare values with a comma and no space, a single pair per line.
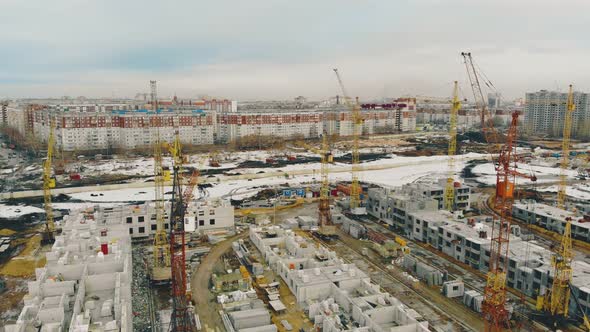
453,288
423,271
473,300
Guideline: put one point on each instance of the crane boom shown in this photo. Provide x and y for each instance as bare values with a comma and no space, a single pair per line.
355,188
496,315
48,183
449,189
474,81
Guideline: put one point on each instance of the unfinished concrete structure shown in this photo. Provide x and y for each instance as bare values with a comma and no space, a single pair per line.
552,218
201,217
393,207
468,241
86,283
339,296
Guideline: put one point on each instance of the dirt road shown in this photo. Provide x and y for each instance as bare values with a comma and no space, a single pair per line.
205,305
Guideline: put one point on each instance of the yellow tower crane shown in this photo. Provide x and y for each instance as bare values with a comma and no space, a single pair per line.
450,190
565,148
48,183
355,188
556,302
161,252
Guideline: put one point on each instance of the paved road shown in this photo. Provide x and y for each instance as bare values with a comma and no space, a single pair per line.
204,299
73,190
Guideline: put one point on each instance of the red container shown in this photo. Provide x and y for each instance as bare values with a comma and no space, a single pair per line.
75,176
104,248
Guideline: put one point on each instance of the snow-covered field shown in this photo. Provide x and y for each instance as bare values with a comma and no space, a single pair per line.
402,170
487,174
580,190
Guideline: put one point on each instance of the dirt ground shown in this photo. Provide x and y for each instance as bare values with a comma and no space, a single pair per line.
17,272
24,264
205,305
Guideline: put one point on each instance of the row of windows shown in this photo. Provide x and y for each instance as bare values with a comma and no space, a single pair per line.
141,230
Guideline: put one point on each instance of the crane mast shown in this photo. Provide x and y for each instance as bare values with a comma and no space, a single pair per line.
355,188
494,304
161,247
565,148
325,217
558,298
449,189
496,315
48,183
183,318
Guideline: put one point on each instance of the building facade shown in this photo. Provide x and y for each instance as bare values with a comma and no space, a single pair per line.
545,110
81,127
201,217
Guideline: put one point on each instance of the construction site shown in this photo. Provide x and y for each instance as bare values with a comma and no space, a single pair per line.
339,226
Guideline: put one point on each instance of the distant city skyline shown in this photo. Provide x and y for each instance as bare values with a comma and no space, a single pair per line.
265,50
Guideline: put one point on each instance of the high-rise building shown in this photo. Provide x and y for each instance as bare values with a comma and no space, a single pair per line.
545,110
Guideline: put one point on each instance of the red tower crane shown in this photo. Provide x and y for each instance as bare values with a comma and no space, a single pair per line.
496,315
183,318
494,304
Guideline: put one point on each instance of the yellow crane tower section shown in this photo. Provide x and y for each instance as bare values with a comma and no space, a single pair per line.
565,148
161,246
48,183
355,188
449,189
557,301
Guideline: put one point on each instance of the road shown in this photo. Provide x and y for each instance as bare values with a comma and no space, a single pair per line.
73,190
208,313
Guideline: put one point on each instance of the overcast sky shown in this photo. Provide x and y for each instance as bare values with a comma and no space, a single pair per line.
279,49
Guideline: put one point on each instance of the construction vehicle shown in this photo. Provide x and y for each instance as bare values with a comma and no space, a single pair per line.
161,250
496,315
450,188
355,188
48,184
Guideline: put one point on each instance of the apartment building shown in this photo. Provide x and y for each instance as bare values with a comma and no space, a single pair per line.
545,110
468,240
201,217
394,206
131,125
436,190
553,218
